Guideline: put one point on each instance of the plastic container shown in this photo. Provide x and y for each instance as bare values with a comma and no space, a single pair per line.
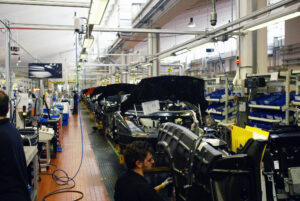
65,123
65,116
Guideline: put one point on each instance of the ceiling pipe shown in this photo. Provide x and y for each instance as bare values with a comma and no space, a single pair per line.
139,30
102,29
103,65
211,34
48,3
140,20
119,43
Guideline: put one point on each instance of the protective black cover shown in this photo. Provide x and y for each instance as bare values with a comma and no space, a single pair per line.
113,89
183,88
117,89
204,173
97,90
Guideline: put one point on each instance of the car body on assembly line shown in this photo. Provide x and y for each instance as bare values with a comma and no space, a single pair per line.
178,99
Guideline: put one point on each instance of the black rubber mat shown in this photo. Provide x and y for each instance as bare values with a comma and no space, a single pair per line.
107,160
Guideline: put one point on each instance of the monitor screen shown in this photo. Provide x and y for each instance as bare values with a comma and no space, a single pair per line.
45,70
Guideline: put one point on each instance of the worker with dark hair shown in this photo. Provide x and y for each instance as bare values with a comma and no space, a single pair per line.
13,169
75,98
131,185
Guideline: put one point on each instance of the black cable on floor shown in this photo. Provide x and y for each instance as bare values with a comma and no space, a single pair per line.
62,181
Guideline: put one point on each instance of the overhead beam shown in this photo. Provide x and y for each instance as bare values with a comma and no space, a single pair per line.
159,31
219,31
48,3
102,29
103,65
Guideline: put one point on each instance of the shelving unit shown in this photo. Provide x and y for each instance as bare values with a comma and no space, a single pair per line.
220,82
294,106
269,107
32,158
284,108
264,119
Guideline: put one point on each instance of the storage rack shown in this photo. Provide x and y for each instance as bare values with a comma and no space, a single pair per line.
219,83
285,108
294,106
297,84
32,159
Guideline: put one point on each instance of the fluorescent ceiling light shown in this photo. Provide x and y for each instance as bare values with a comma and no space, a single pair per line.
88,42
280,16
181,52
83,55
97,10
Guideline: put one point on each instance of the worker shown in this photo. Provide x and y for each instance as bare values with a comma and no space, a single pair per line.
13,169
131,185
75,98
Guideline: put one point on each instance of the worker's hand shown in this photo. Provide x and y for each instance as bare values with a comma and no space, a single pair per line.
167,181
164,184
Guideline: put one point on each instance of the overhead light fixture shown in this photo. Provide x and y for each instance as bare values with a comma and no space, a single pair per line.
97,10
181,52
191,24
88,41
280,16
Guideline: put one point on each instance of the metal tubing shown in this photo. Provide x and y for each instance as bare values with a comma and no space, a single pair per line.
8,62
226,100
102,29
226,26
287,97
48,3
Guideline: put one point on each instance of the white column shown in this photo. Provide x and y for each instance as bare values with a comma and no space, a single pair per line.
252,46
124,77
262,44
112,71
153,48
7,63
112,79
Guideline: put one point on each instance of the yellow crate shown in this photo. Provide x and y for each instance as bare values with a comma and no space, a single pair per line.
239,136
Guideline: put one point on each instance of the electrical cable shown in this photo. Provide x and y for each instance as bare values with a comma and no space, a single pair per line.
61,181
65,179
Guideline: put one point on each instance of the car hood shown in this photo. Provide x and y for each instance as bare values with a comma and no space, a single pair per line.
116,89
183,88
97,90
113,89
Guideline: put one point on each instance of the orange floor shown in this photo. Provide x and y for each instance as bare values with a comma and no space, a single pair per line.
89,179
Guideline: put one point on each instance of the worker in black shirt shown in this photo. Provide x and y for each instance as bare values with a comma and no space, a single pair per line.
131,185
75,98
13,175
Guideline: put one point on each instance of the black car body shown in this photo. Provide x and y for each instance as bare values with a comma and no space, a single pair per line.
203,168
180,99
108,102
